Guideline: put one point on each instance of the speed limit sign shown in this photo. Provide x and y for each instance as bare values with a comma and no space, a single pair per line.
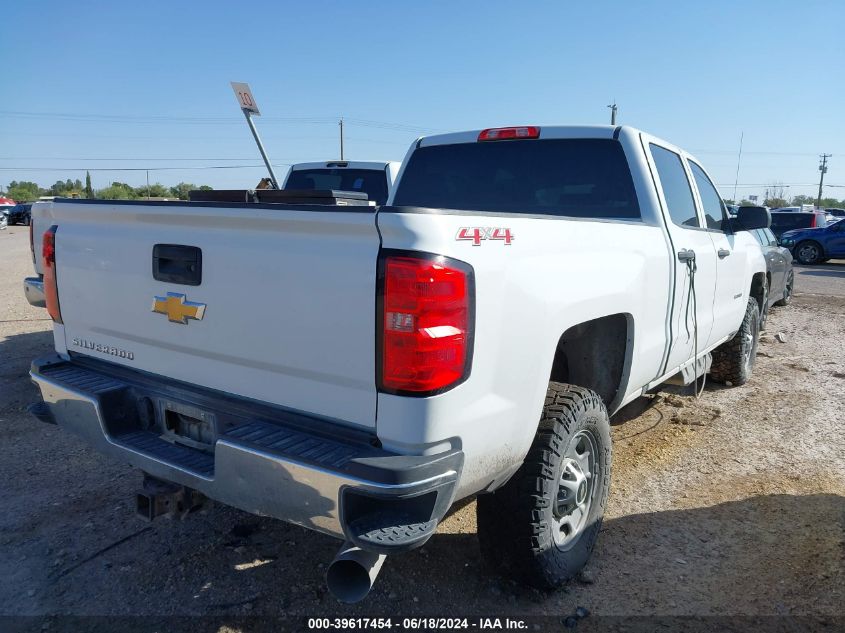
245,98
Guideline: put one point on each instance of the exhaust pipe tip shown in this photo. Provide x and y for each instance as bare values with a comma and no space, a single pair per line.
352,574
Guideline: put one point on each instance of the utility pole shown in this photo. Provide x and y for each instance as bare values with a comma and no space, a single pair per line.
613,109
341,137
148,184
738,159
823,170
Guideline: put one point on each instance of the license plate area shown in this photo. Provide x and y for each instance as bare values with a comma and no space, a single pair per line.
188,425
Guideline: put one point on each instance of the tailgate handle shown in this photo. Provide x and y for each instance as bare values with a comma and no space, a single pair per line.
177,264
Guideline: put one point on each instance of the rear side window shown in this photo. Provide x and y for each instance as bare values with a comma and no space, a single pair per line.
676,187
711,202
373,182
584,178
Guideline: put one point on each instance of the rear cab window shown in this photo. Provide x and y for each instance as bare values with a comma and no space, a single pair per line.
581,178
787,220
373,182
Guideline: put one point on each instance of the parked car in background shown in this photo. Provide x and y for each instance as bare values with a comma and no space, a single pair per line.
837,213
5,205
814,246
779,273
19,214
788,220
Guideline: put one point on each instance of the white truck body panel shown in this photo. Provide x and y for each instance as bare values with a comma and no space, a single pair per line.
281,325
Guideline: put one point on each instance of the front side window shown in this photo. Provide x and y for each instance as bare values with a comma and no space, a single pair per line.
711,202
676,187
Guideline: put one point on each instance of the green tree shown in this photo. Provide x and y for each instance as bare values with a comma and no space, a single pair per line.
24,191
117,191
89,191
797,201
182,190
156,190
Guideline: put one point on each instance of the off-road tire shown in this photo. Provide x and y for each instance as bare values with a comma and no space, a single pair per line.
788,289
807,255
733,360
516,522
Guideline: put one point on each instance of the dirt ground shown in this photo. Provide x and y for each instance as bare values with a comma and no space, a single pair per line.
733,504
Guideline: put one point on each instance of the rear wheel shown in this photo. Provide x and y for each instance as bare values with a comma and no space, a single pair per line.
733,360
542,525
787,290
809,252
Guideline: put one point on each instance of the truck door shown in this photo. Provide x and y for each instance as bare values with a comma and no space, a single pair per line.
731,294
835,245
693,291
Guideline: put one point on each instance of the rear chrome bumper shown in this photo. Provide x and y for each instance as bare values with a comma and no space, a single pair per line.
33,288
263,460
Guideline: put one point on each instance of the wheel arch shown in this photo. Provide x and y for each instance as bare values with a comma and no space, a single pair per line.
597,354
758,288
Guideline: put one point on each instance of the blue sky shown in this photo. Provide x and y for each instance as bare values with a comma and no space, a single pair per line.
150,82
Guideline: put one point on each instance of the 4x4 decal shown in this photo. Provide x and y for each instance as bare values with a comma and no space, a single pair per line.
479,234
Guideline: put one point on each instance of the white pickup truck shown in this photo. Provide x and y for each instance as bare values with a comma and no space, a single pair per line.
357,370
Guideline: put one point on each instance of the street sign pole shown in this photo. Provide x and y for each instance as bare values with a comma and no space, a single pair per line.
250,108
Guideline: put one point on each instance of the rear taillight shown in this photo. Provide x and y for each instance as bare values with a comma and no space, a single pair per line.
426,323
48,262
814,221
504,133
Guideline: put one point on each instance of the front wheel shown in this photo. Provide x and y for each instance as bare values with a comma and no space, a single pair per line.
734,360
809,253
542,525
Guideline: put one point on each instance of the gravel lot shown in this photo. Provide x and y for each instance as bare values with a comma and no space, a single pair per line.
728,505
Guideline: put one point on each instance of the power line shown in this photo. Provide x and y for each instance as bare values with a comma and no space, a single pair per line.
207,120
139,168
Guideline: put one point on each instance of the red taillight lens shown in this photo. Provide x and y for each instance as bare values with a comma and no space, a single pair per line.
814,221
48,261
503,133
426,324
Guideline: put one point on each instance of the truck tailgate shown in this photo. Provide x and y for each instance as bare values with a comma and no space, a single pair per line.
287,298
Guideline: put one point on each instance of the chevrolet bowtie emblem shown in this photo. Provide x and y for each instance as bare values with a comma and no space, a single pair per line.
177,309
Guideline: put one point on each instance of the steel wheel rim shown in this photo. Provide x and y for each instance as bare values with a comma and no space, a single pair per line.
574,498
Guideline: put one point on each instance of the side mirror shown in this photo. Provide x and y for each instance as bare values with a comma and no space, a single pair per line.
750,218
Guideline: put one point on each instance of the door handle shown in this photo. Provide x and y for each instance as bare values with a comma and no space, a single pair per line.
685,255
177,264
723,252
